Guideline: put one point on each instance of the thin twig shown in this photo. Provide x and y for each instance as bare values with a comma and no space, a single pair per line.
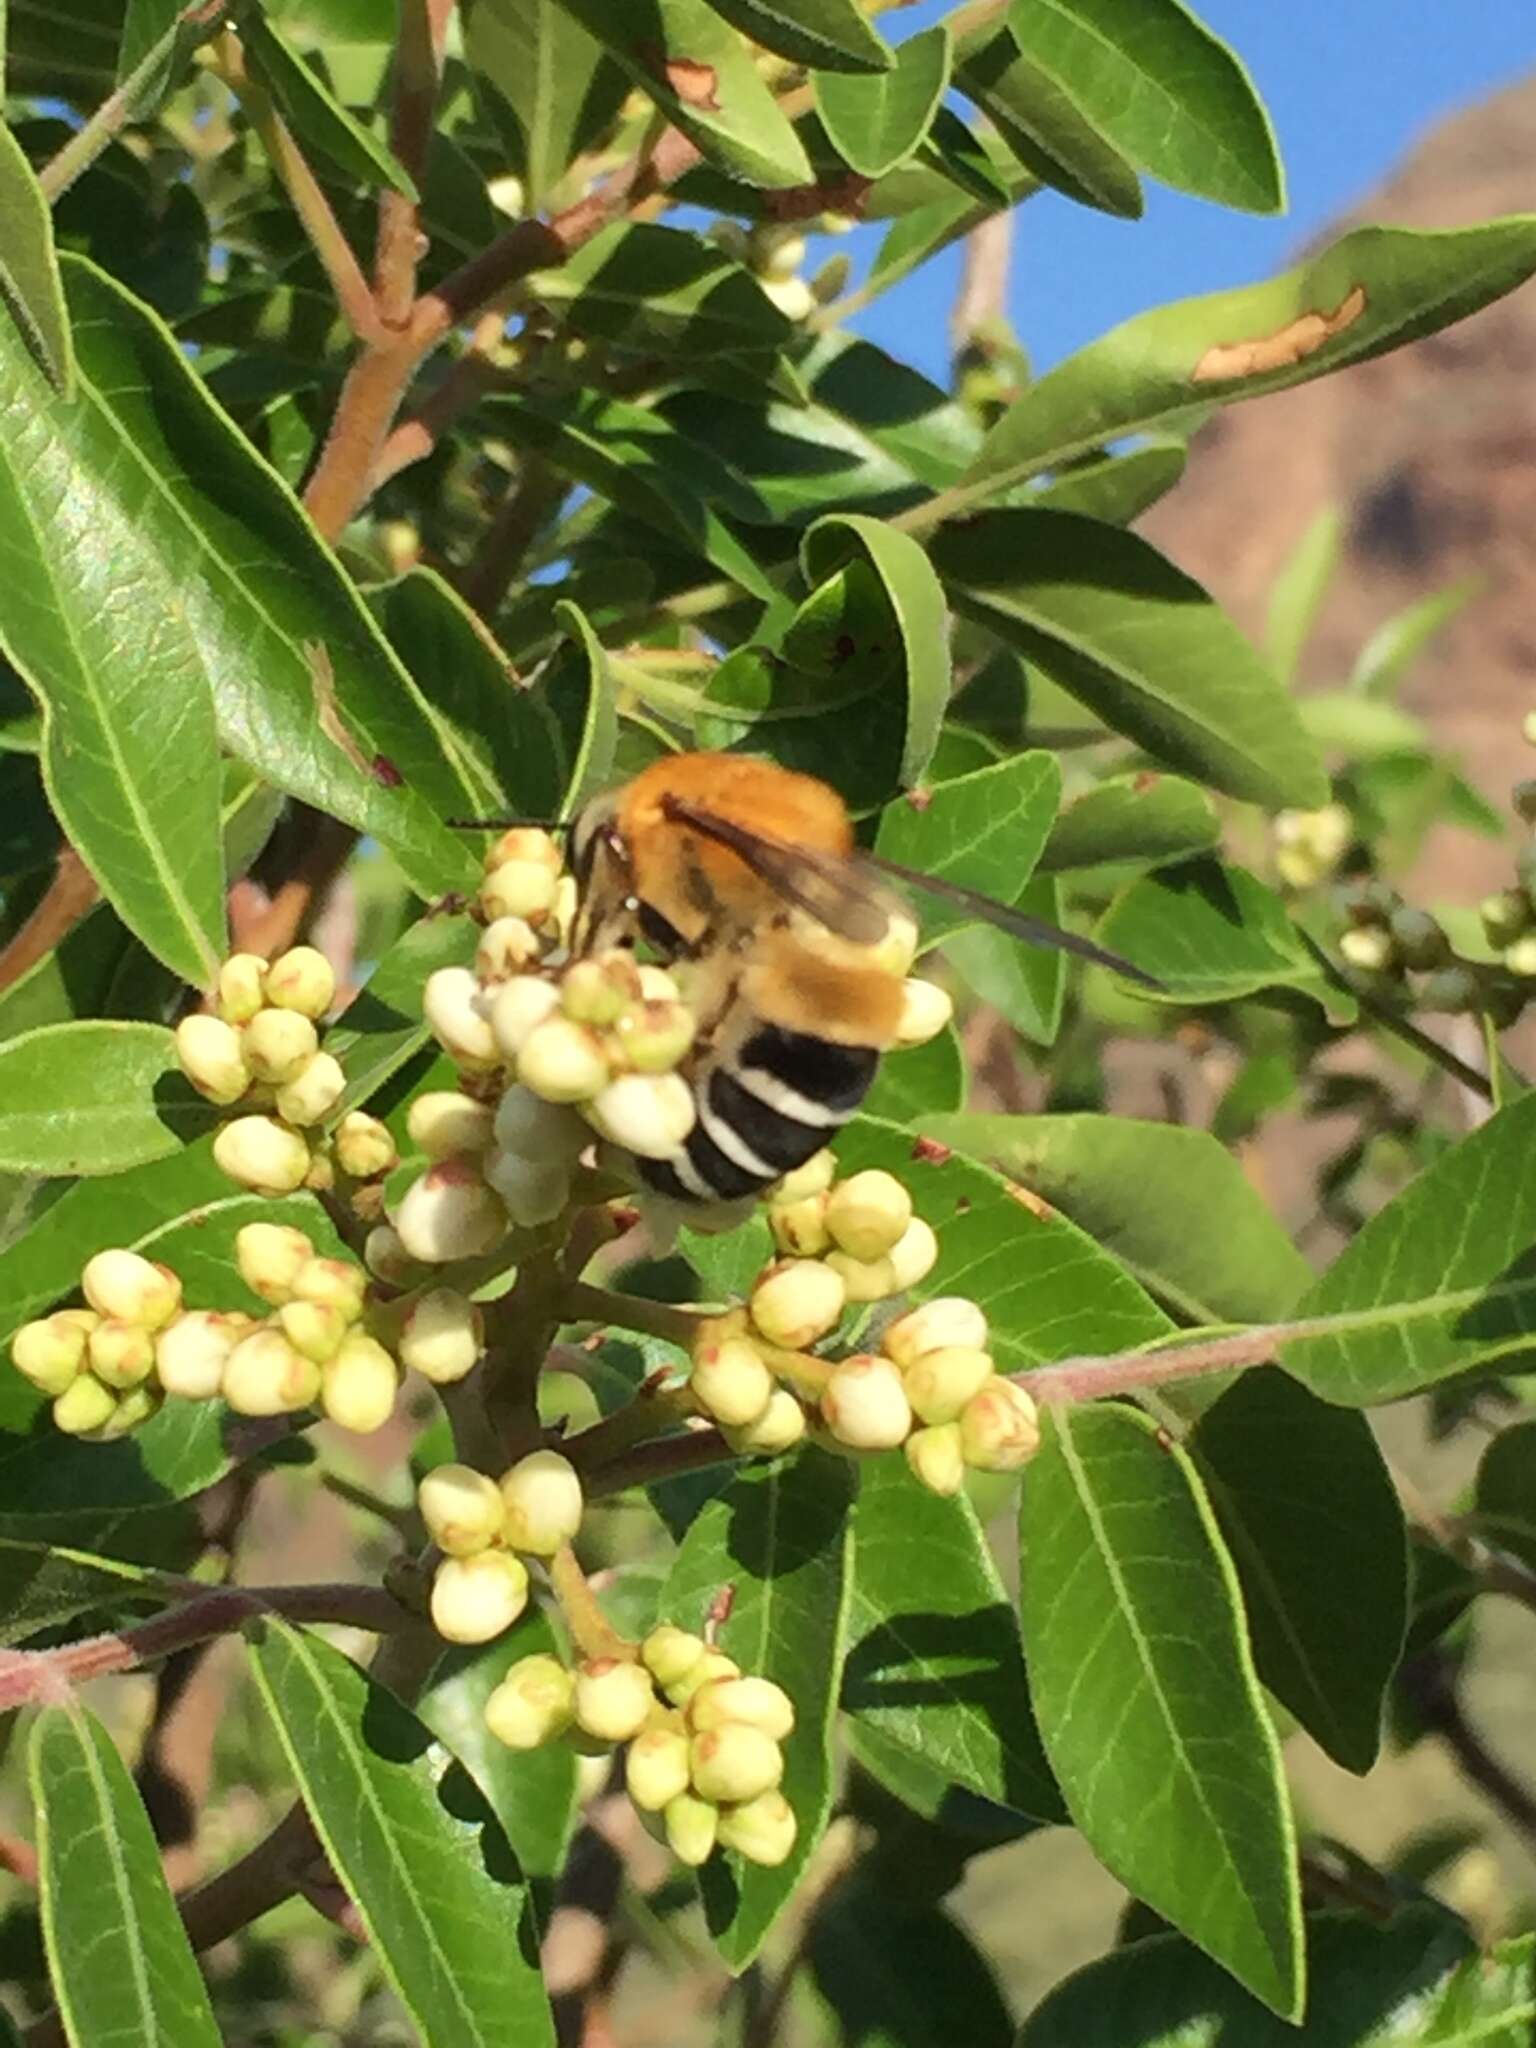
592,1632
464,385
515,525
1400,1027
1430,1685
68,897
1092,1378
669,1457
584,1304
418,69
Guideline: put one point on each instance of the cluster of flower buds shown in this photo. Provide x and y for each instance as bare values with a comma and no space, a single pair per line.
775,251
108,1366
259,1049
703,1762
1310,844
481,1525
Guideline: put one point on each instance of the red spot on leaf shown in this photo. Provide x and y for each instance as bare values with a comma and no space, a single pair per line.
385,772
694,83
932,1152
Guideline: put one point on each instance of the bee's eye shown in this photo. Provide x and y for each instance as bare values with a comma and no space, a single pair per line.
660,932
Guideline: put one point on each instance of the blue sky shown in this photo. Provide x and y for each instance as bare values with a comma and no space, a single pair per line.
1350,84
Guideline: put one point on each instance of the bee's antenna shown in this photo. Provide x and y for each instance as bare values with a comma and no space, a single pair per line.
506,824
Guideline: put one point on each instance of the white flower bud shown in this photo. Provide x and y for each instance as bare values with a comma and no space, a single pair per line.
450,1214
313,1092
670,1654
614,1698
656,985
865,1404
937,1457
442,1336
756,1701
532,1193
365,1147
567,903
444,1122
925,1010
302,979
448,1002
533,1704
132,1288
269,1257
242,987
797,1301
949,1319
775,249
507,945
529,843
1368,947
714,1664
264,1375
261,1154
730,1381
50,1353
656,1768
800,1228
278,1045
463,1509
84,1407
131,1410
542,1497
598,990
213,1058
779,1428
333,1283
762,1830
191,1353
517,1008
120,1354
652,1037
898,949
1000,1427
358,1386
814,1178
543,1132
734,1762
387,1258
518,888
940,1383
562,1061
867,1214
692,1826
914,1254
1520,958
314,1328
648,1114
475,1599
792,295
864,1279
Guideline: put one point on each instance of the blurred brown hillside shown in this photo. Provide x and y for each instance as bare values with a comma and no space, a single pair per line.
1431,455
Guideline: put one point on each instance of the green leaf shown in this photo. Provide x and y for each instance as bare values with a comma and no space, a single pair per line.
935,1667
121,1965
661,289
417,1847
1397,642
316,115
1119,488
93,1097
581,694
1211,933
557,88
1297,593
898,1973
699,73
779,1536
1311,1518
876,122
1169,1202
830,35
982,831
29,269
912,1085
383,1029
1377,289
1157,84
1044,126
1505,1498
918,612
45,1582
1151,1712
1145,817
1363,728
1413,1981
190,550
1439,1281
1138,641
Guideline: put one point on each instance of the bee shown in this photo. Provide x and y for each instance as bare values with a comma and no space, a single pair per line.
791,945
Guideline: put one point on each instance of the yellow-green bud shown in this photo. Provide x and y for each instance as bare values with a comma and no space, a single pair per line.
937,1457
925,1010
278,1045
731,1382
779,1428
333,1283
269,1258
734,1762
444,1122
518,888
213,1058
262,1154
762,1830
542,1497
517,1008
1520,958
562,1061
653,1036
131,1410
1000,1427
865,1405
940,1383
814,1178
264,1375
914,1254
533,1192
692,1825
599,990
544,1133
314,1328
800,1228
450,1213
797,1301
533,1704
131,1288
656,1768
84,1406
775,250
656,985
50,1353
462,1509
449,1002
442,1336
192,1351
302,979
1368,947
242,987
947,1320
864,1279
670,1653
358,1386
365,1147
525,843
614,1698
648,1114
867,1214
120,1354
313,1092
507,945
475,1599
792,295
387,1258
712,1665
756,1701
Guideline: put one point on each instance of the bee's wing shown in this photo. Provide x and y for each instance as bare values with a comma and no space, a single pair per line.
838,893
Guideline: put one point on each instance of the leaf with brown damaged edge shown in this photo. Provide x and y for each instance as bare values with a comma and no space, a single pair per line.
1294,342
